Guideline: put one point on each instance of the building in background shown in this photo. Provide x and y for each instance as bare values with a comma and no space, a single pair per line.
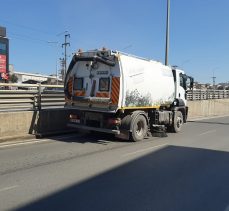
31,78
4,55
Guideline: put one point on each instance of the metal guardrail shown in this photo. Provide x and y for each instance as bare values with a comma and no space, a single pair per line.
37,96
207,94
30,97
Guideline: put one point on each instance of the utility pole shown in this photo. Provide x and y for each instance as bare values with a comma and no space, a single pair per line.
167,33
62,65
65,44
213,80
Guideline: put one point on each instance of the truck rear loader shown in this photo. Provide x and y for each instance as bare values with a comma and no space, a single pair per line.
114,92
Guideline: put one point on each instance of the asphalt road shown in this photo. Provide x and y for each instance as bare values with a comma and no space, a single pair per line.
181,172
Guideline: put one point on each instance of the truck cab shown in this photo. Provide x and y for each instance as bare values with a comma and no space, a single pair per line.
182,84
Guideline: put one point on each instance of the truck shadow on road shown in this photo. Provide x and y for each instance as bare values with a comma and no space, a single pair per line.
172,178
83,137
99,138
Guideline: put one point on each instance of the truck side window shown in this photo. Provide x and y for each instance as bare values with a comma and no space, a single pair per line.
104,84
181,80
78,84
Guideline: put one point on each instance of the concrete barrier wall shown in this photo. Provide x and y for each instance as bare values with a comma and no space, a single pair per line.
16,123
208,108
22,123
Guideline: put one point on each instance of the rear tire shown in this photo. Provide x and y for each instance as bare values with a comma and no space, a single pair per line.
177,122
139,128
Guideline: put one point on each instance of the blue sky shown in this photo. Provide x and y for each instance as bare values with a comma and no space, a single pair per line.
198,36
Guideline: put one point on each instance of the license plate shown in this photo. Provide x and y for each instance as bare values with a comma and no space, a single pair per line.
75,120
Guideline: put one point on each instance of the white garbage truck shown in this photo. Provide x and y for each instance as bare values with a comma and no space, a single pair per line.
114,92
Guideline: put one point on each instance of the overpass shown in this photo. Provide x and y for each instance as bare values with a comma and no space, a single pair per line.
39,109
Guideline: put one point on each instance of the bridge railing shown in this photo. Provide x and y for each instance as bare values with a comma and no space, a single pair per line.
207,94
30,97
38,96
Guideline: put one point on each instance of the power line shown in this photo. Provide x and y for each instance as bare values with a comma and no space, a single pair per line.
26,37
61,33
26,27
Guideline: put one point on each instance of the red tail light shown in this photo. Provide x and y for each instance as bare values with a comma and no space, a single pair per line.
74,118
114,121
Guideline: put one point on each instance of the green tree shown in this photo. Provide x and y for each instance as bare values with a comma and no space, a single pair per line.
13,78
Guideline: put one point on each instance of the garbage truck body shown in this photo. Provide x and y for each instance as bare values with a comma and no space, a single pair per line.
118,93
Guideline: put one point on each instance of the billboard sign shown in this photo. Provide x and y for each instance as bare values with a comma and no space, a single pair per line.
4,76
4,54
2,63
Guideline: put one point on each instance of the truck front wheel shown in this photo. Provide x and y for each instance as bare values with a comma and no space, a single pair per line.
177,122
139,128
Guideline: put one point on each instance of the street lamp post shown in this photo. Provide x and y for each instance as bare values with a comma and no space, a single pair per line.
167,32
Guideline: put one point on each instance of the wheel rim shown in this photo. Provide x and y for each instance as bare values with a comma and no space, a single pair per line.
140,128
179,122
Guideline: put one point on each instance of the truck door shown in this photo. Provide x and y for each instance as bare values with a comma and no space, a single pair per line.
182,87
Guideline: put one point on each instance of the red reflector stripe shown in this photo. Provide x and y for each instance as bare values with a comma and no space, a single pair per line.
70,84
115,90
102,94
79,93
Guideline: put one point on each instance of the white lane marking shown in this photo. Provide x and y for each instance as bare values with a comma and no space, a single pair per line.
23,143
8,188
207,132
143,150
34,141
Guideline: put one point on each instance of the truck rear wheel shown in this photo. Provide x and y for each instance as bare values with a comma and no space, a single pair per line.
139,128
177,122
